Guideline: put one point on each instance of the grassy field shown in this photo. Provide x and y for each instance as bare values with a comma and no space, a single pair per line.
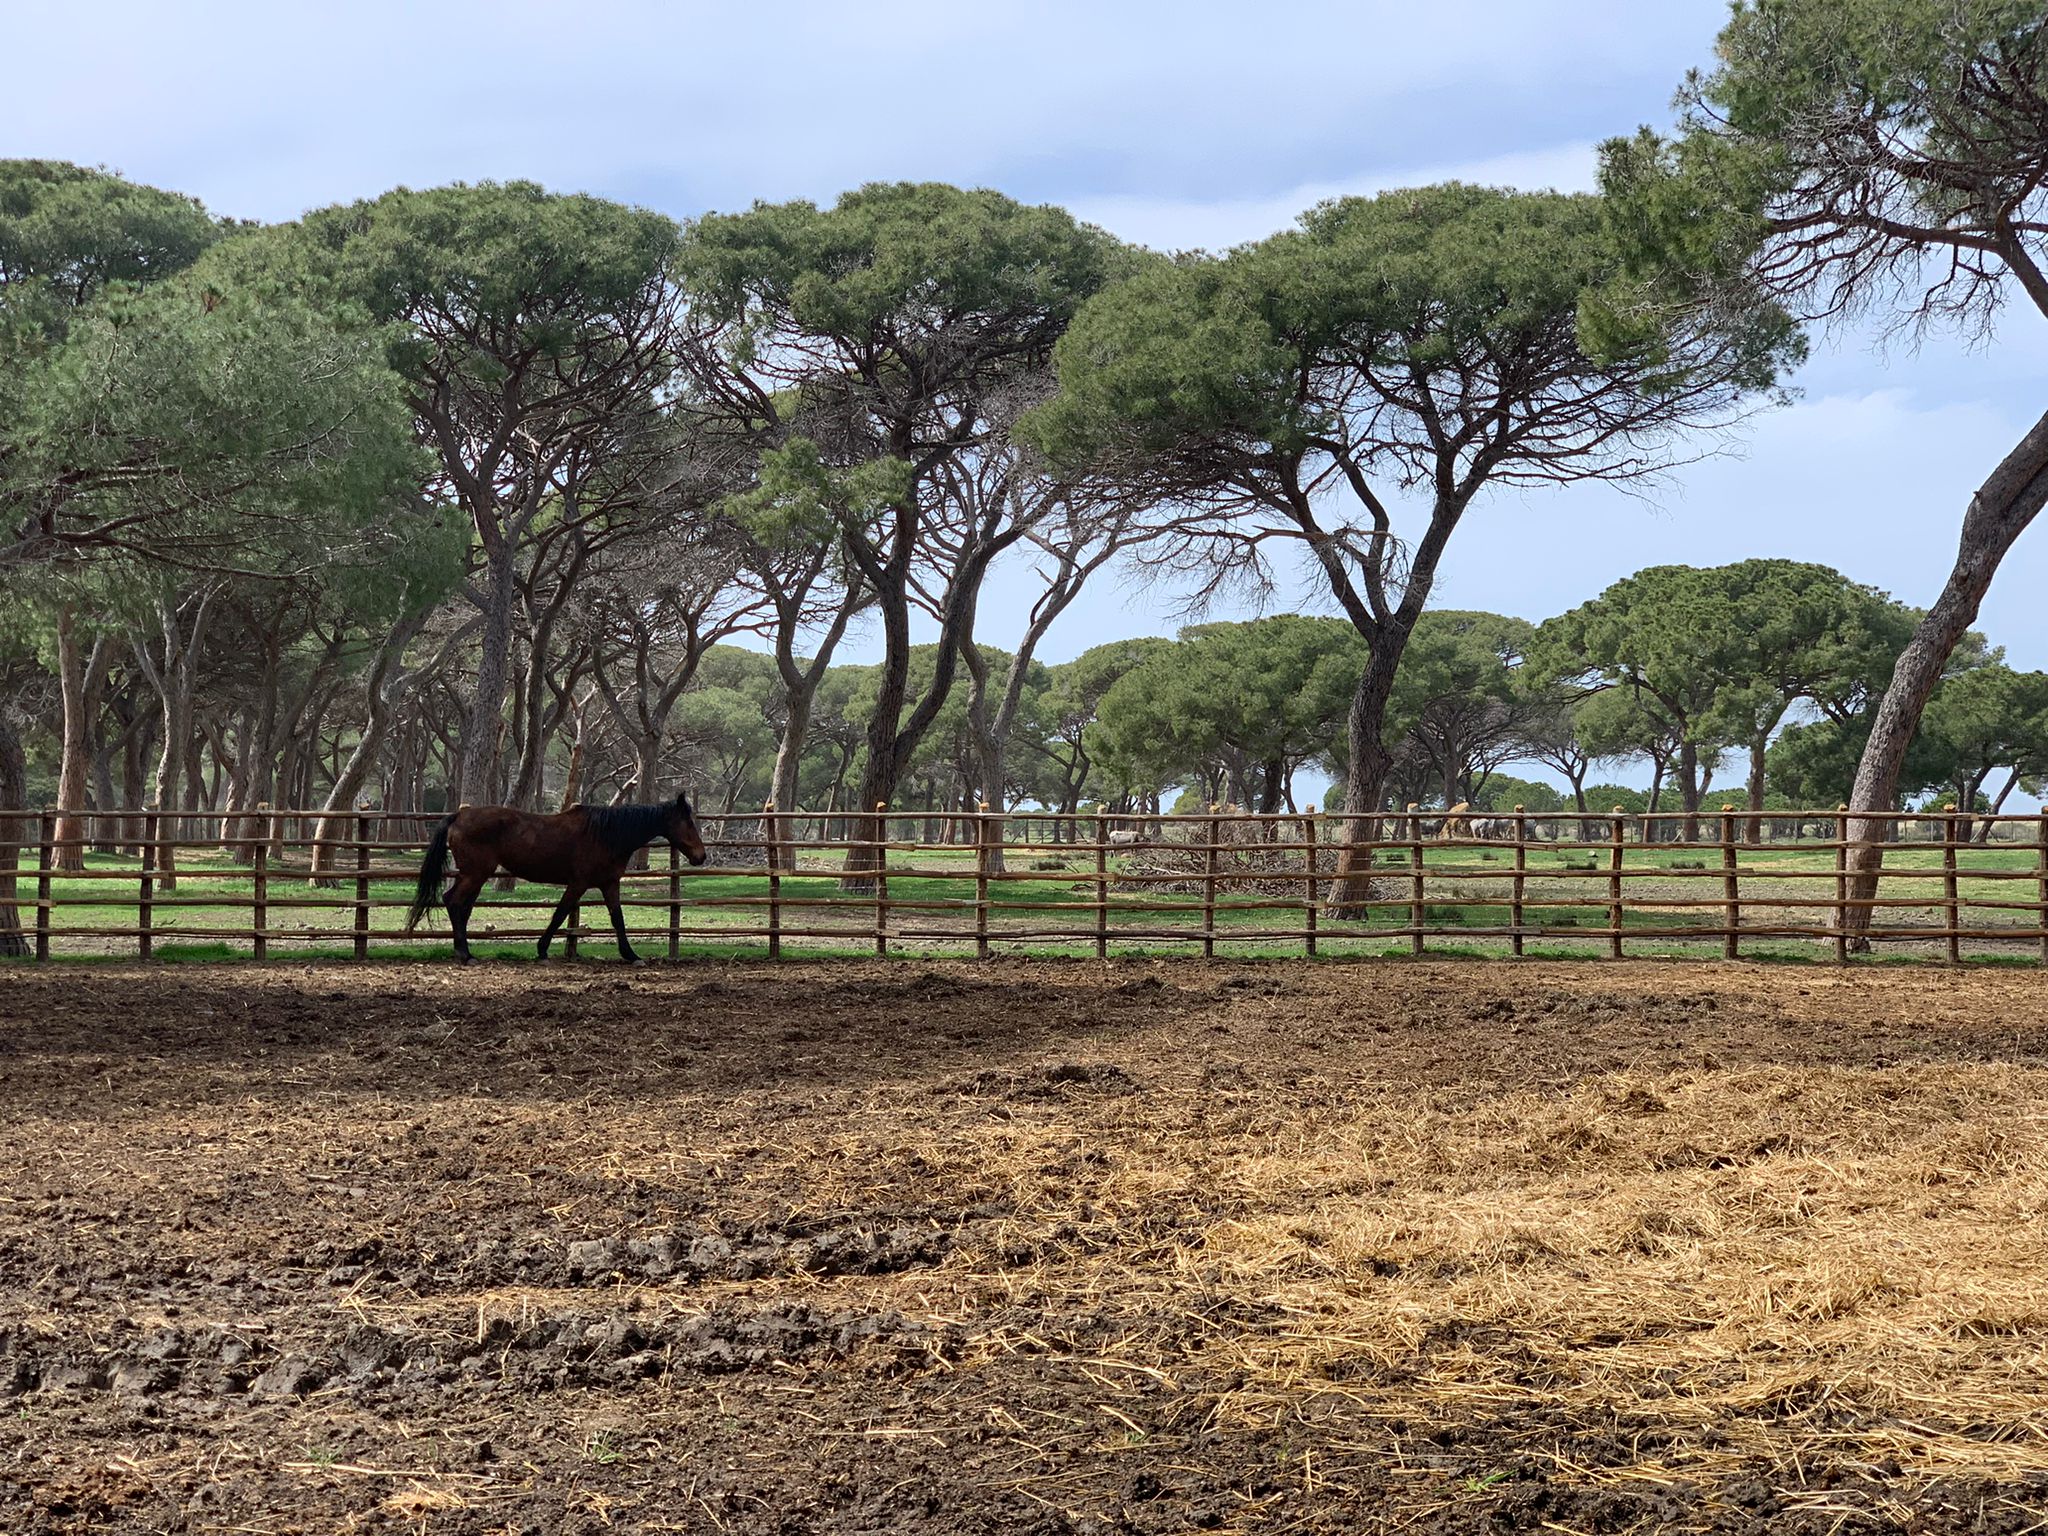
1046,905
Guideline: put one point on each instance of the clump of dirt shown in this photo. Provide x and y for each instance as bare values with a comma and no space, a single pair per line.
1064,1079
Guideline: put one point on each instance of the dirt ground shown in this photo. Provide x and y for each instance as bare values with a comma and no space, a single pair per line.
1023,1247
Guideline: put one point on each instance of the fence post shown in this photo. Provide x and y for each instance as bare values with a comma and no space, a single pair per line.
2041,881
1102,883
145,943
1842,884
1614,886
1516,915
1415,890
882,878
259,911
771,824
981,867
1949,903
1209,884
1308,831
46,858
362,945
675,902
1731,887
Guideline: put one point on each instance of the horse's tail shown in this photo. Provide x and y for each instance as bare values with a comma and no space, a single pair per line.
427,894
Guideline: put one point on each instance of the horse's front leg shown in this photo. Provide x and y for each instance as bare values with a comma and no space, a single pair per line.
611,901
570,897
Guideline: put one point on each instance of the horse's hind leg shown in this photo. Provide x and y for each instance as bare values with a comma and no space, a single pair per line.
567,905
460,901
611,901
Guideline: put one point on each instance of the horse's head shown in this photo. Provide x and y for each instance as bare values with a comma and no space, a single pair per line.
682,830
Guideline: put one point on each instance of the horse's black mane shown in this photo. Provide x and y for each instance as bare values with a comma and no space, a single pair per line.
624,828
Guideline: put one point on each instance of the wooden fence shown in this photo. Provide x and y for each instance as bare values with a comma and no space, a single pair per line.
1953,885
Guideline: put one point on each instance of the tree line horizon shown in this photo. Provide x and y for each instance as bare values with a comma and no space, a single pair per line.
473,483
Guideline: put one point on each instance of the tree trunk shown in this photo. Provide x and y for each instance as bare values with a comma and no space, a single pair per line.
476,774
985,737
79,678
881,771
1984,826
1365,776
106,832
892,739
1755,832
1997,515
572,775
1689,788
1273,775
134,746
70,852
13,830
257,768
995,769
789,752
385,687
174,682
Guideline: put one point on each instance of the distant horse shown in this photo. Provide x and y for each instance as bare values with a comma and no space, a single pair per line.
582,847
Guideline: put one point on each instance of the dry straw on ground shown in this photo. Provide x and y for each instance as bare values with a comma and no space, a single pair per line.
1052,1248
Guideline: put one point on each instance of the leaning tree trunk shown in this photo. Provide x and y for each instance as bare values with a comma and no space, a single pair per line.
1998,514
1987,823
13,797
382,696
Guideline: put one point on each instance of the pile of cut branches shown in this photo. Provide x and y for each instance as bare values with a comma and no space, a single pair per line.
1251,859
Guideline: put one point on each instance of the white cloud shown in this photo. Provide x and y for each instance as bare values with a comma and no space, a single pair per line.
1180,224
263,110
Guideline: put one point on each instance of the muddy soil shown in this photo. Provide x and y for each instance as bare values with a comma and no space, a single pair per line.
946,1248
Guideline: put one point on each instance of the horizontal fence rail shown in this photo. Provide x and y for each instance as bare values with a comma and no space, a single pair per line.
1951,884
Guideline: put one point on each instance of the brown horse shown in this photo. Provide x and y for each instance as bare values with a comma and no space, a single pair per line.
584,846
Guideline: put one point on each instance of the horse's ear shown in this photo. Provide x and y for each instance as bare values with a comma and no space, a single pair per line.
682,799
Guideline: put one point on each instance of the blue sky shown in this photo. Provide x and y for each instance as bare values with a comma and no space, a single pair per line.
1178,125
